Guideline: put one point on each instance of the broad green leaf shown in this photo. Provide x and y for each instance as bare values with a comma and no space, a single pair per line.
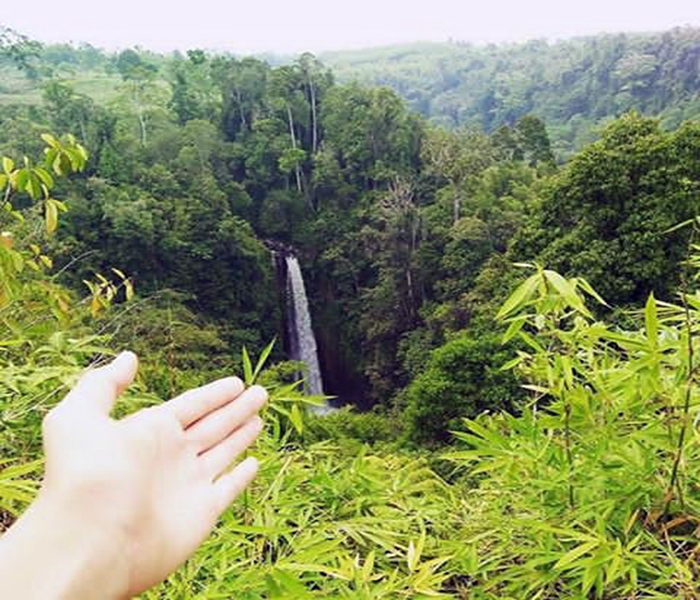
50,140
34,186
51,216
21,179
45,177
521,295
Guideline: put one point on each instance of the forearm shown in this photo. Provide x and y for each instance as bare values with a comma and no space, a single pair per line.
50,553
124,503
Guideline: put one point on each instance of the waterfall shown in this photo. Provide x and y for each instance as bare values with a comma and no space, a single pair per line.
301,334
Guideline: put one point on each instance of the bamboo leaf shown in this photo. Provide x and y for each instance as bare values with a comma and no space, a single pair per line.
680,226
265,354
515,326
521,295
566,291
651,320
572,555
247,367
588,288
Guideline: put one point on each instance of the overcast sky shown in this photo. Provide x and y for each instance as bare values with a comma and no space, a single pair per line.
318,25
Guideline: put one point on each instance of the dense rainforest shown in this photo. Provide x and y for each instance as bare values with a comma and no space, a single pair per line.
576,85
488,313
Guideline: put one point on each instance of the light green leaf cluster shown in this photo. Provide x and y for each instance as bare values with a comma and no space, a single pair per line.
592,489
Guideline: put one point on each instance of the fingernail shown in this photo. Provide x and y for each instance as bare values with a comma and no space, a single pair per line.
251,462
260,392
123,356
119,357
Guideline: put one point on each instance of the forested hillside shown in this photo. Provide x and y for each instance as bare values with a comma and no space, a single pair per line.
198,161
574,85
491,316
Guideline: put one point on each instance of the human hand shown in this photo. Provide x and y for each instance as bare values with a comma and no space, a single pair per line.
137,495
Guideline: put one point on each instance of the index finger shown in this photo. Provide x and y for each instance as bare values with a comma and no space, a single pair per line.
198,402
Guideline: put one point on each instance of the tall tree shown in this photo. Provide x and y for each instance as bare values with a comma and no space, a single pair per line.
457,157
141,93
604,216
20,50
287,95
317,79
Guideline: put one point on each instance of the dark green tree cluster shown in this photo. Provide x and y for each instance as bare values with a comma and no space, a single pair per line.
606,216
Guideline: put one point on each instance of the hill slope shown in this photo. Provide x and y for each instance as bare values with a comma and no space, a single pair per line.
574,85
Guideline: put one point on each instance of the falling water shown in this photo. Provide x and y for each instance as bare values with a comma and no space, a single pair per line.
302,340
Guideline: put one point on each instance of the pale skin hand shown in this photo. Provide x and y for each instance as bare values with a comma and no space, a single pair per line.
124,503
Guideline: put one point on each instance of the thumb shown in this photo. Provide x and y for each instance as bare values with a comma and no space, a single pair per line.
99,388
123,370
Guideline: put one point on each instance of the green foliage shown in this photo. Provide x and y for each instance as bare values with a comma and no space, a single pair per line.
37,180
348,426
603,216
327,525
404,232
462,379
17,488
574,85
20,51
606,508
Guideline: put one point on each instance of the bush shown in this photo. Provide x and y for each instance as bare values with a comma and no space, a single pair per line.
590,493
463,378
344,424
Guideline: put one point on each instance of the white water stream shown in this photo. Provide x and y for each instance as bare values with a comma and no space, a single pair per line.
303,342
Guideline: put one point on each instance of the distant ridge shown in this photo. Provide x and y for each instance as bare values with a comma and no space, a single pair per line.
574,85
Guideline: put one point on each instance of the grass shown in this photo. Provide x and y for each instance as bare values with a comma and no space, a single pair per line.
17,89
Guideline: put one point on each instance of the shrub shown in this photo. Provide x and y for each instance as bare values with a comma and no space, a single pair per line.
590,494
345,424
463,378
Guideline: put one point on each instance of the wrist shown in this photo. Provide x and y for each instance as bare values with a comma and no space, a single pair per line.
74,558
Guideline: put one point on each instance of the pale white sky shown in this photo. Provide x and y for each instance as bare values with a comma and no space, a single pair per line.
318,25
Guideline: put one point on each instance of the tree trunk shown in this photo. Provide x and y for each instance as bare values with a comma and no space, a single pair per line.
314,124
142,126
457,206
294,145
244,124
